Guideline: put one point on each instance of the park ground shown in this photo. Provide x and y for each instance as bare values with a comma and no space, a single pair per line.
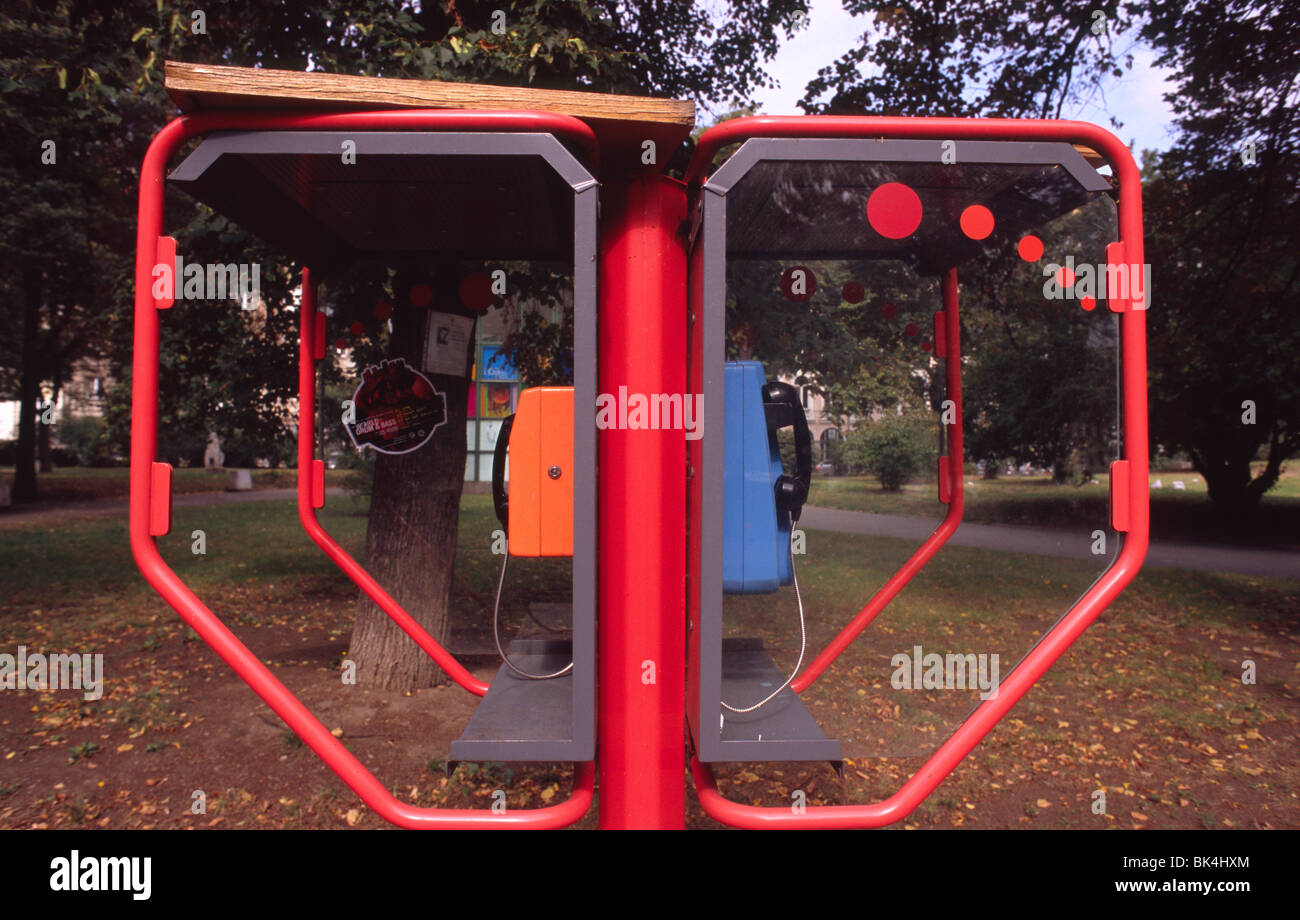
1149,706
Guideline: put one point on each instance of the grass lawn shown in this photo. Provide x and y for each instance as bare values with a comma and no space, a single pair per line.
1148,706
1184,514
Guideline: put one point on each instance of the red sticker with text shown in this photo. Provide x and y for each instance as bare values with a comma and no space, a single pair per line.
395,410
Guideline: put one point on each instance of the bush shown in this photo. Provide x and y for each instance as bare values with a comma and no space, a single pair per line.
893,449
83,442
835,454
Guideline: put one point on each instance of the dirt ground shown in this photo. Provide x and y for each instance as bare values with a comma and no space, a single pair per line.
177,721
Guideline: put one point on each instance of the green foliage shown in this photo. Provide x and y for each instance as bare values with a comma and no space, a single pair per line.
1005,58
785,441
85,439
835,454
1225,245
859,360
90,78
1221,235
893,448
1039,380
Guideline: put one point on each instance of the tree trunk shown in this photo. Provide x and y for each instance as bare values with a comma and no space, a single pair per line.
1226,479
412,530
1233,488
29,390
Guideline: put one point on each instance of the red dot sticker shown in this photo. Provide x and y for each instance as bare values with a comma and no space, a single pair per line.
911,329
476,292
358,329
341,344
853,292
1088,303
925,346
894,210
421,295
977,222
383,310
798,283
1030,248
1064,276
888,309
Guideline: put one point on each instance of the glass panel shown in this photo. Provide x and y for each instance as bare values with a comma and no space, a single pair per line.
838,297
427,248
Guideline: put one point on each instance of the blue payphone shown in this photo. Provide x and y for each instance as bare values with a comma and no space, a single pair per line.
761,502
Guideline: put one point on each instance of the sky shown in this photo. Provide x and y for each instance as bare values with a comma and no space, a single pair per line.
1136,99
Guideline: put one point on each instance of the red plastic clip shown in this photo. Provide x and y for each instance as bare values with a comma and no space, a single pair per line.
1119,281
160,499
318,483
1119,496
165,255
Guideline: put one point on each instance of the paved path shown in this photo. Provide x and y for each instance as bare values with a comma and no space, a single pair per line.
107,507
1070,544
1039,541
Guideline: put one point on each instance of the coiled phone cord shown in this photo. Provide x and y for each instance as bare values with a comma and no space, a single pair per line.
496,631
803,645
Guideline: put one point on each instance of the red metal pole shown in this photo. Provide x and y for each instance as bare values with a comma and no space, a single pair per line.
642,510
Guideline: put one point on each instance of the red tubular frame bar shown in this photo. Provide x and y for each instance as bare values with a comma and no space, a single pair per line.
1127,562
144,438
951,519
307,508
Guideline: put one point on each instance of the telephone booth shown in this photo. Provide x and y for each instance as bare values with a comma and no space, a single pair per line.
536,202
822,234
330,191
812,283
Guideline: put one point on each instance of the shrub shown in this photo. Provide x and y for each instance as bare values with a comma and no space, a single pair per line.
893,449
84,441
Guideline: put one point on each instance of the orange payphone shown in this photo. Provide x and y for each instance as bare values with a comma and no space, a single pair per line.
538,513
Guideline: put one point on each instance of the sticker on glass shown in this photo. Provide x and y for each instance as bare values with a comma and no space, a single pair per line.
397,409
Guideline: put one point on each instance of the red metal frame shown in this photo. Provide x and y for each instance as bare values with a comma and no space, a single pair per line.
1130,505
309,499
643,562
955,490
642,504
147,487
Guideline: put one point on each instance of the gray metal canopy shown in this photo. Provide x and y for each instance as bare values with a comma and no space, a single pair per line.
402,194
805,198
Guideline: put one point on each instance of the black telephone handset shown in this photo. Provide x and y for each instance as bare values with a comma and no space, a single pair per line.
782,408
500,500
